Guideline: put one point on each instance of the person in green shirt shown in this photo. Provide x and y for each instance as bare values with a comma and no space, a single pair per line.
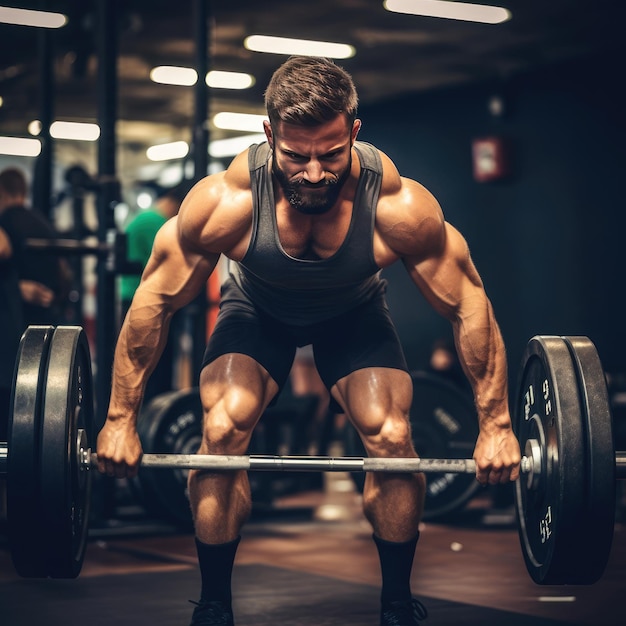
140,233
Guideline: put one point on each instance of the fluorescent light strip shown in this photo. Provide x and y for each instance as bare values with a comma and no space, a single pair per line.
187,76
75,131
229,80
239,121
172,75
26,17
20,146
284,45
168,151
217,149
463,11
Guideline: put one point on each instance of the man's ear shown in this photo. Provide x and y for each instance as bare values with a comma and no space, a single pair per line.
267,128
356,127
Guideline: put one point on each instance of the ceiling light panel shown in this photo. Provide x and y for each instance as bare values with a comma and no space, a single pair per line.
168,151
172,75
26,17
229,80
187,76
239,121
20,146
305,47
463,11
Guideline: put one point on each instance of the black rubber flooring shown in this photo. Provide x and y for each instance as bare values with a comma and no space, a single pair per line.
264,596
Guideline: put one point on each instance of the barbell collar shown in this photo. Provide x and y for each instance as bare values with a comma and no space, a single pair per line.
620,465
4,453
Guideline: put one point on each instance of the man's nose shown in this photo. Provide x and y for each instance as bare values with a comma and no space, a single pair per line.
314,172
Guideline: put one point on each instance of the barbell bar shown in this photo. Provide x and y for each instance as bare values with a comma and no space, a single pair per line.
262,462
561,417
273,463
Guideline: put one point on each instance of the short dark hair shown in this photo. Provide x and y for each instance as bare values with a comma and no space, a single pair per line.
310,91
13,182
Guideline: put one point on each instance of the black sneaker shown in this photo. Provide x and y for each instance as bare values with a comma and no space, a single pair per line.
403,613
215,613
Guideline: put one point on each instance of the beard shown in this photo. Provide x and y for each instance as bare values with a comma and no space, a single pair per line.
311,198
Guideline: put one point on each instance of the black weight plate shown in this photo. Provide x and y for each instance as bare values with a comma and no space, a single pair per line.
548,409
68,408
23,489
444,425
599,520
170,423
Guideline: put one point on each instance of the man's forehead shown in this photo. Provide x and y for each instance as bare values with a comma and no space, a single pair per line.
320,139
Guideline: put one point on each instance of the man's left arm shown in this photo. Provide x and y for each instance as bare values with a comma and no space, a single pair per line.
450,282
410,225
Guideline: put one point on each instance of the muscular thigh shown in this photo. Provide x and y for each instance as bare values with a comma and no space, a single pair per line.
377,401
234,390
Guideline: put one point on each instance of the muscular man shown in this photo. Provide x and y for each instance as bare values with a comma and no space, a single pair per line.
309,219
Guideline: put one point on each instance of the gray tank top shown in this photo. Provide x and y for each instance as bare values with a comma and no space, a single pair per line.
301,291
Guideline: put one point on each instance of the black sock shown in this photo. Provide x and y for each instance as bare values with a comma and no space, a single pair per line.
216,568
396,561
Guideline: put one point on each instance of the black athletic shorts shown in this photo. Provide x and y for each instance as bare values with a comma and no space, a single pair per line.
363,337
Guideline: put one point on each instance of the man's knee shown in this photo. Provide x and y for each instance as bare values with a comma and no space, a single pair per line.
235,390
387,436
229,423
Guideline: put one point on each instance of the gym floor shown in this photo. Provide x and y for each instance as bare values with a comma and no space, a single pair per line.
472,562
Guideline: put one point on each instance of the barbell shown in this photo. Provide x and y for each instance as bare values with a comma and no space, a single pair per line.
565,497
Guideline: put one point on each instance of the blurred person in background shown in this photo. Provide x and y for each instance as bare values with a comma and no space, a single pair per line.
45,280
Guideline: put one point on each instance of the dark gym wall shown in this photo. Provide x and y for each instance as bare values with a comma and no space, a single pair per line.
549,241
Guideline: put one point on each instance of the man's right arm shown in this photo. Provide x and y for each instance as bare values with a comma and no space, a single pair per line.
214,219
173,277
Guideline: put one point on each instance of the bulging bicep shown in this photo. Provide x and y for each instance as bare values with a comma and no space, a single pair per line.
447,277
175,271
